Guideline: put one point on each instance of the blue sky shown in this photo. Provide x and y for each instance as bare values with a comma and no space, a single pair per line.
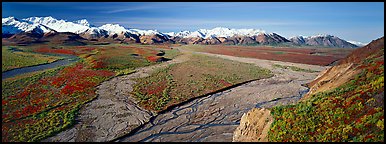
358,21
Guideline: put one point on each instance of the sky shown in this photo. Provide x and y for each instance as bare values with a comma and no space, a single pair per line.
355,21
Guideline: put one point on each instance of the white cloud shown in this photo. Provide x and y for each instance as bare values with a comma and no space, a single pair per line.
128,9
357,43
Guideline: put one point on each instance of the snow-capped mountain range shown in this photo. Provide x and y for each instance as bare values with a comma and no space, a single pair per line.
14,26
218,35
217,32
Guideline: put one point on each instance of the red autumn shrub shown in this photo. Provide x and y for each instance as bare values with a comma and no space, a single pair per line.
58,51
154,58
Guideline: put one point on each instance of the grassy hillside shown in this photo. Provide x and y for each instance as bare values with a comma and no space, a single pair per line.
353,111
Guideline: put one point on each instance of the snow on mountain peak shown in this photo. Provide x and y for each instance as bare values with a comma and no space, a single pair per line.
171,34
298,37
58,25
12,25
220,32
145,32
42,20
310,37
8,20
82,22
81,26
114,28
182,34
196,34
320,35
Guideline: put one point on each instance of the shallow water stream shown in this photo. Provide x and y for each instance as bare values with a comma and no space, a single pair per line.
68,59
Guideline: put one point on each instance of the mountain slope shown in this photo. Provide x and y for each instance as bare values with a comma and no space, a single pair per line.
322,40
63,38
339,107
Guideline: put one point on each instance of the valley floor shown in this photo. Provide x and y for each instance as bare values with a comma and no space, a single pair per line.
115,116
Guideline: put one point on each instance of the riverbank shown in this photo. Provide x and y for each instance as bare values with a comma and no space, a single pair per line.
68,59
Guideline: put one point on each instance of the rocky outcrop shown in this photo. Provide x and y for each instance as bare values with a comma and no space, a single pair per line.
254,126
210,41
264,39
131,38
332,78
299,40
272,38
154,39
191,40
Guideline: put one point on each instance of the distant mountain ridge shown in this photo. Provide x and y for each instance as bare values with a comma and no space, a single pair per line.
322,40
117,33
